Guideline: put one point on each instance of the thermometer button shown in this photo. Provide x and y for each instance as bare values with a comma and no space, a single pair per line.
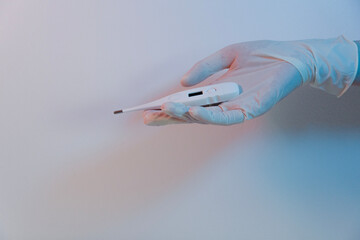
211,90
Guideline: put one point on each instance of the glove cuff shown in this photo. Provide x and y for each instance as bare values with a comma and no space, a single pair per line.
335,64
327,64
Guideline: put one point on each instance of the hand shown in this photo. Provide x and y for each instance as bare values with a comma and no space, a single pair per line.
267,71
264,82
357,78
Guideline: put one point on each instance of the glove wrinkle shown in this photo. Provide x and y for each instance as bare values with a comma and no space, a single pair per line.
267,71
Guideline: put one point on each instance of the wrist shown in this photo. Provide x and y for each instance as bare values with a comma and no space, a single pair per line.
334,63
357,78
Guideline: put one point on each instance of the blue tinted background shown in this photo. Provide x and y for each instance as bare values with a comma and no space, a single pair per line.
70,169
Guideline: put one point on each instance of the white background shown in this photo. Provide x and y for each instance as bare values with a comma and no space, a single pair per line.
69,169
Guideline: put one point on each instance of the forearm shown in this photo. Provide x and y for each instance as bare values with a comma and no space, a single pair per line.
357,78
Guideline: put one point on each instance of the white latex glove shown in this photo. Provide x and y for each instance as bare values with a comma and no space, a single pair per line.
267,71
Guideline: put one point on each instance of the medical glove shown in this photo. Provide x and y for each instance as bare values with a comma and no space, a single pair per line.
267,71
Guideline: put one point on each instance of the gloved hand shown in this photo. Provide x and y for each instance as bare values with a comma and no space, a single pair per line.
267,71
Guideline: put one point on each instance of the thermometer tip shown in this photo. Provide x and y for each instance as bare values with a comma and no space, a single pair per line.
118,111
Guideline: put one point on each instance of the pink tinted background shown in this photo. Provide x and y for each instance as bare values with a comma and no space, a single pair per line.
69,169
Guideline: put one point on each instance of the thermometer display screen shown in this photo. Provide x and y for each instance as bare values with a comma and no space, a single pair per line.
195,94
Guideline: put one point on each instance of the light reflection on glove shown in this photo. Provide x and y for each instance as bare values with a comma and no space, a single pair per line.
267,71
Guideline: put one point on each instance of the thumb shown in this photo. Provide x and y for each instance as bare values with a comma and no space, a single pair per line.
203,69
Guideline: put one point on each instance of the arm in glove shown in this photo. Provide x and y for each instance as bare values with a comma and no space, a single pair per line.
267,71
357,78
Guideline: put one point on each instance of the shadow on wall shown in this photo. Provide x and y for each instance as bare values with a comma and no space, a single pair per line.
312,107
114,185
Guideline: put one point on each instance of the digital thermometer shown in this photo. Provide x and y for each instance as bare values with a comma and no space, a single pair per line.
201,96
